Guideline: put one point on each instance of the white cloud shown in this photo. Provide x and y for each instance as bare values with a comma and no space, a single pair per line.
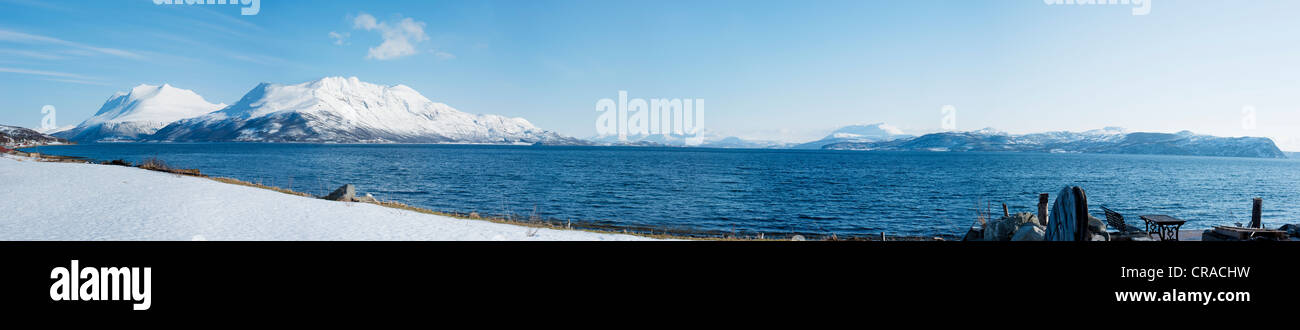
400,37
56,76
15,36
444,55
340,38
32,54
44,73
79,82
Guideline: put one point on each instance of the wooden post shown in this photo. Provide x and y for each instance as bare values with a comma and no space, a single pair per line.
1005,212
1042,209
1081,216
1257,214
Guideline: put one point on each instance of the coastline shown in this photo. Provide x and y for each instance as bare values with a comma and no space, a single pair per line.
71,200
520,221
517,219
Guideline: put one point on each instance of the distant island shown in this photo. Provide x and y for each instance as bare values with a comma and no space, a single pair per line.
1109,140
1105,141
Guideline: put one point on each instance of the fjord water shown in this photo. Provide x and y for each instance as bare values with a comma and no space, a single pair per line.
746,191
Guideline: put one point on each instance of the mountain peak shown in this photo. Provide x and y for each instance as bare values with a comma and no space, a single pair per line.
139,112
876,130
339,82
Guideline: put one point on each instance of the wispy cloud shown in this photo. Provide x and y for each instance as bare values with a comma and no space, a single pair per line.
36,4
340,39
400,37
32,54
79,82
45,73
56,76
15,36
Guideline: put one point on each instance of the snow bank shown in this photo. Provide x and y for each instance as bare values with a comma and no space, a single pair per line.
62,201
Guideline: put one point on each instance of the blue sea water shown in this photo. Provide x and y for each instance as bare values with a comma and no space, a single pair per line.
746,191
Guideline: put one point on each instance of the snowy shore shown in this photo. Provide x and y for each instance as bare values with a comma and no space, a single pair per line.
66,201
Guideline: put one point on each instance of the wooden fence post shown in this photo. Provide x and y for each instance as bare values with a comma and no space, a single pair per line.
1005,211
1042,209
1257,213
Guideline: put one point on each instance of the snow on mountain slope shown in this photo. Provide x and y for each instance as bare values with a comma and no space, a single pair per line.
347,110
55,130
130,116
857,133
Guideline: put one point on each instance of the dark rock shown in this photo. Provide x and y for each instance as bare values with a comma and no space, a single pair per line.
976,233
1002,229
117,162
1098,229
1292,230
1030,232
1210,236
346,193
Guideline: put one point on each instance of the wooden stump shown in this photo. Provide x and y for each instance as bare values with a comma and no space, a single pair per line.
1042,209
1256,213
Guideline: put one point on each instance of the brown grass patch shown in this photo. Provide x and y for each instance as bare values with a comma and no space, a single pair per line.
254,185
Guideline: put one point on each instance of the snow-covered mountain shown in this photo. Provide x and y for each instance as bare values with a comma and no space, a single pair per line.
704,139
857,133
133,115
347,110
55,130
736,142
1109,140
13,136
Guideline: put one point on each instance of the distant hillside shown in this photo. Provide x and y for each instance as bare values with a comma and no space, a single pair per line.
11,136
878,132
1106,141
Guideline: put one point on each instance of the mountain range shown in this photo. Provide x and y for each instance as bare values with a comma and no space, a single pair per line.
348,110
704,139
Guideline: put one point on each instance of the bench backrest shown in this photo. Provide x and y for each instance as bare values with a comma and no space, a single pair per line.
1114,219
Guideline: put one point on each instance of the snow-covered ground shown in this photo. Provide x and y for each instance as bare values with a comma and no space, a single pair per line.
62,201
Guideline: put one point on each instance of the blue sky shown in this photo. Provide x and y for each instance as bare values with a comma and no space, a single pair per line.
787,70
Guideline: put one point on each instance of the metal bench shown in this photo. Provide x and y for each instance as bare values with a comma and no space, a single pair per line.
1116,220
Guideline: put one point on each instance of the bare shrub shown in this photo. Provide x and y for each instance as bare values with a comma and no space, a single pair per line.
156,164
